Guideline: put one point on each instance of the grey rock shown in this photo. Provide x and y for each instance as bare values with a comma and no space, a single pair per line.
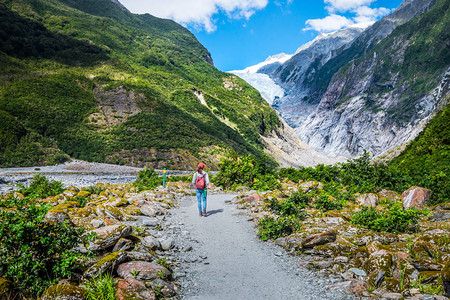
148,210
144,256
358,272
167,244
107,236
151,242
147,221
166,289
106,264
123,244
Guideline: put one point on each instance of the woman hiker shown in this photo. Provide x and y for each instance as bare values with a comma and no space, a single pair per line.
201,181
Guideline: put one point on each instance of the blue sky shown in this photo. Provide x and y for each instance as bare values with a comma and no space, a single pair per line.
241,33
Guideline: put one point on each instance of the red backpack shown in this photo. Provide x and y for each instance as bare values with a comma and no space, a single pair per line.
200,183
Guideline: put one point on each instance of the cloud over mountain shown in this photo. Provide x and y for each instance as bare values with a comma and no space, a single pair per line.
364,15
197,13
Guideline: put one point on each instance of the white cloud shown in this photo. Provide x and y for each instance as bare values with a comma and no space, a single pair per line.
328,24
345,5
364,15
196,12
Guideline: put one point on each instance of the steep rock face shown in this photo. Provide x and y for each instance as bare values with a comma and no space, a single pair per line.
384,98
289,151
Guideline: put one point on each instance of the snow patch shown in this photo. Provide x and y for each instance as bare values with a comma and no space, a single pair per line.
278,58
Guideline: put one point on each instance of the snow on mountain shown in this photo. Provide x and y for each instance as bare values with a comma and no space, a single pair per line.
278,58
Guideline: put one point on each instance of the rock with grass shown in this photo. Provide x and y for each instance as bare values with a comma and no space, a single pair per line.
142,270
131,288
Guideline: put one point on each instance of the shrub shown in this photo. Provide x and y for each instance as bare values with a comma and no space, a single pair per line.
301,199
326,202
34,254
147,179
246,170
41,187
103,287
273,228
395,219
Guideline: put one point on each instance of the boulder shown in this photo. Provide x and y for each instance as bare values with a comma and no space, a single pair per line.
116,202
97,223
422,264
415,196
113,212
294,241
148,210
440,215
369,200
142,270
165,288
57,216
378,261
63,292
144,256
123,244
252,198
106,264
108,236
319,239
167,244
151,243
131,288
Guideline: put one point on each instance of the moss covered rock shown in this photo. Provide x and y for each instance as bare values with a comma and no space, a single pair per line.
378,261
63,292
108,236
319,239
106,264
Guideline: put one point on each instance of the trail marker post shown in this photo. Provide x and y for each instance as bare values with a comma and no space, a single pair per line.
164,177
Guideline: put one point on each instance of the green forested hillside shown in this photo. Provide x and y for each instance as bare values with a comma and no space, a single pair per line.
89,80
427,157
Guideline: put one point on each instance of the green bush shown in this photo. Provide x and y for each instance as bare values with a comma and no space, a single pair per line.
147,179
103,287
41,187
284,207
35,254
273,228
357,175
395,219
248,170
326,202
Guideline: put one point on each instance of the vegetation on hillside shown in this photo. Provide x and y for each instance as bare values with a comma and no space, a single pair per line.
60,58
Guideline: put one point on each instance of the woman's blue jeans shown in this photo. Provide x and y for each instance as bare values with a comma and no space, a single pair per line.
201,195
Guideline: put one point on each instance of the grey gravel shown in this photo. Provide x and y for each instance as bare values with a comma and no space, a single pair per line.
238,264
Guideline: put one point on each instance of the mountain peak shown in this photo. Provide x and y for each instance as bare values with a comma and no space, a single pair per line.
122,7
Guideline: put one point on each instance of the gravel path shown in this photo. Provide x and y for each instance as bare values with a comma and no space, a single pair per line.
234,264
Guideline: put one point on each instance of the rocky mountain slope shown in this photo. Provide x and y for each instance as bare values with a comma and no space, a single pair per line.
89,80
384,98
372,90
280,78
